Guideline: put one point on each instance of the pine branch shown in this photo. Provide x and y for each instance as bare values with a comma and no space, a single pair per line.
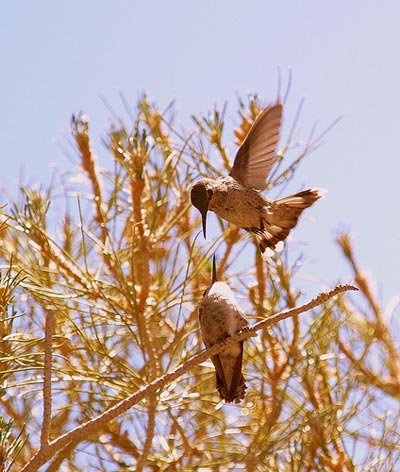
93,426
47,402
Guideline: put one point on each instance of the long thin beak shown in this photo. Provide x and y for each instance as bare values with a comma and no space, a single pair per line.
214,271
204,222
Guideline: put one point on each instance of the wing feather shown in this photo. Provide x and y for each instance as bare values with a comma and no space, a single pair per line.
237,378
219,369
256,155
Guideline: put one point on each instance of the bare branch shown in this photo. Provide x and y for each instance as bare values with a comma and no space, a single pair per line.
318,300
48,347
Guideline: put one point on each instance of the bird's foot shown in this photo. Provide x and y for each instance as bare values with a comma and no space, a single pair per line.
247,329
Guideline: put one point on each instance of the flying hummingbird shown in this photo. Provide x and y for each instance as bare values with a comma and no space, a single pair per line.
236,198
220,317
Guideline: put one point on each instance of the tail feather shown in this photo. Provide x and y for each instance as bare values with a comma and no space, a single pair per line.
282,217
230,381
231,395
302,199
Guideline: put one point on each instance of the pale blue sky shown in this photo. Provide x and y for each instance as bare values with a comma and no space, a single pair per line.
59,57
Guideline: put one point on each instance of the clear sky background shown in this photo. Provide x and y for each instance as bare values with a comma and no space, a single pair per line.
58,58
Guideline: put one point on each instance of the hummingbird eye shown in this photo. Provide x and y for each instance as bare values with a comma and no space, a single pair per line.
210,193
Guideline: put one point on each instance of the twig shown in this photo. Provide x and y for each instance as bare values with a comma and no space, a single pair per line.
318,300
48,341
96,424
151,425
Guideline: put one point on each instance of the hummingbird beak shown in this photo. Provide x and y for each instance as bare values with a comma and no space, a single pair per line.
204,221
214,271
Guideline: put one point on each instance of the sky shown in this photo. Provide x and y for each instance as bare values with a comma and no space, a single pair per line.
59,58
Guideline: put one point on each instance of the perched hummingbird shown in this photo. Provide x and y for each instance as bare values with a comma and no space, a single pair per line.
236,198
220,317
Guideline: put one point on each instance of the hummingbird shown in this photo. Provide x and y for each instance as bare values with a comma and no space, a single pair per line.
236,198
220,317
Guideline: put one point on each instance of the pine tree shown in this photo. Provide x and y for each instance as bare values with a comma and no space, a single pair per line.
101,275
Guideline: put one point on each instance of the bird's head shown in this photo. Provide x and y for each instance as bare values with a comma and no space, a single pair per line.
200,195
217,292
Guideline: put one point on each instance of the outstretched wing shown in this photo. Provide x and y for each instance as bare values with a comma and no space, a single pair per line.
256,155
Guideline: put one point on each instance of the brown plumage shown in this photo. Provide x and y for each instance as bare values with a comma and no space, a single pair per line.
220,317
236,198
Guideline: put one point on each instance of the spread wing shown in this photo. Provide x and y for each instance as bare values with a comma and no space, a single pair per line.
256,155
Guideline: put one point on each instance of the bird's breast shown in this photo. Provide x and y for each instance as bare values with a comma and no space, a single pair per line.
218,320
239,205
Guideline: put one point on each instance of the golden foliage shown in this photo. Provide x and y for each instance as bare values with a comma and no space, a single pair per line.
121,267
